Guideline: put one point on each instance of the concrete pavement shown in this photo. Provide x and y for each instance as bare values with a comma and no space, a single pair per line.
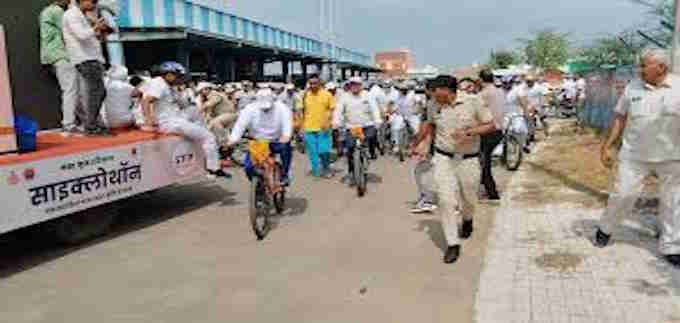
186,254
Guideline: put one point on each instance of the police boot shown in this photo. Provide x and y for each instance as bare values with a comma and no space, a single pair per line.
601,239
452,254
674,260
466,229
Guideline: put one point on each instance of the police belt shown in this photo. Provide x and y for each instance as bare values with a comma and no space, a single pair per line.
454,155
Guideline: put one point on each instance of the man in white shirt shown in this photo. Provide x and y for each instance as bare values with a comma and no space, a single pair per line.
647,119
266,119
405,114
82,38
162,111
357,110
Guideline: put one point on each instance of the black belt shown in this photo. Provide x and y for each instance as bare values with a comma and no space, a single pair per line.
454,155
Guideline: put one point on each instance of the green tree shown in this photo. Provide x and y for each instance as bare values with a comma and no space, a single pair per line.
548,49
621,49
503,59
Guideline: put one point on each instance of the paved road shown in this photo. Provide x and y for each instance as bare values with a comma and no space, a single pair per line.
186,254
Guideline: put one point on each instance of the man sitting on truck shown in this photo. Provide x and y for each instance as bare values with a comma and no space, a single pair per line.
161,106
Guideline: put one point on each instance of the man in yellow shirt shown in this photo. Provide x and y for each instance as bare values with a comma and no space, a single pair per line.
317,105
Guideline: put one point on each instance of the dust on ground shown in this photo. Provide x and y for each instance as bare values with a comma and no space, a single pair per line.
561,261
568,170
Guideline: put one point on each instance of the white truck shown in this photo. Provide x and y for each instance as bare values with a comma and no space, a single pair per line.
78,183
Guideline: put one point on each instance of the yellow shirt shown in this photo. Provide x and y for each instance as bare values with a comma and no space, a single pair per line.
318,110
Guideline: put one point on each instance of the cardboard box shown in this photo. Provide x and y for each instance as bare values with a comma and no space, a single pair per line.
8,140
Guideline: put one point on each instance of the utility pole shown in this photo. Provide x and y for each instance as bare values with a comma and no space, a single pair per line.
676,39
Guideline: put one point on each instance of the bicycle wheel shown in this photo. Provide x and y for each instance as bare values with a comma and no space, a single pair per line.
359,172
512,153
259,214
279,198
403,142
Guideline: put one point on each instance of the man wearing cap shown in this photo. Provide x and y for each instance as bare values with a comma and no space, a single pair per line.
218,112
317,108
162,105
455,128
647,118
266,119
357,110
405,113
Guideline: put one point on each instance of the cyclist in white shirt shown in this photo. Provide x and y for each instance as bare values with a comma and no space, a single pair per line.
161,106
357,110
266,119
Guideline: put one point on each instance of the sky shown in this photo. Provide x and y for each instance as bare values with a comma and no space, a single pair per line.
446,32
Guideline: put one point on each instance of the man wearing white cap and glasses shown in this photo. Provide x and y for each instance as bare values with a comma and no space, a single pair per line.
266,119
357,110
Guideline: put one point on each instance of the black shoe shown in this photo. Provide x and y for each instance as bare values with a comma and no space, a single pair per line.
466,229
674,260
452,254
220,173
601,239
526,150
374,157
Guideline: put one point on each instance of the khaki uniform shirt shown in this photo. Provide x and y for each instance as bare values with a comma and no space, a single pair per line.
467,112
652,132
216,105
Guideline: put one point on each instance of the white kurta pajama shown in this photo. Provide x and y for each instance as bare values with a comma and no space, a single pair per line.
651,145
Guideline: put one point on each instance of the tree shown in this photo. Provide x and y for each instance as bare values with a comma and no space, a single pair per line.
621,49
502,59
548,49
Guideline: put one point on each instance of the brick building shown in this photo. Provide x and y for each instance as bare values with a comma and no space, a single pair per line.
395,63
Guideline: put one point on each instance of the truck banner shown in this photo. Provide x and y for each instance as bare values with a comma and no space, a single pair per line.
8,140
50,188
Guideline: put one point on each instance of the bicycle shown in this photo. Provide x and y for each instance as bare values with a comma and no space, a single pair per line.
267,192
361,160
512,145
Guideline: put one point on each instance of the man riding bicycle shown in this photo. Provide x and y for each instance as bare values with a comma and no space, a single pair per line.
269,120
357,110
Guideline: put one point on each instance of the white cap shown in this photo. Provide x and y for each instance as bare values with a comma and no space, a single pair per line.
264,95
204,85
290,86
331,86
356,79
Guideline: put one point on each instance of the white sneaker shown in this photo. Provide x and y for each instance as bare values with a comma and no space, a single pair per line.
424,207
395,150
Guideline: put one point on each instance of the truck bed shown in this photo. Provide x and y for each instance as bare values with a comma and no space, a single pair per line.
68,175
51,144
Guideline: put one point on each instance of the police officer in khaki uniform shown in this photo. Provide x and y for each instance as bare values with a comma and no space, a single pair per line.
648,118
454,127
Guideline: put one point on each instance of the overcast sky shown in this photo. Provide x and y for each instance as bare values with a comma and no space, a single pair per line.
446,32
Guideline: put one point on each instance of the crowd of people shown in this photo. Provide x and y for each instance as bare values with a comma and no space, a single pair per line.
456,124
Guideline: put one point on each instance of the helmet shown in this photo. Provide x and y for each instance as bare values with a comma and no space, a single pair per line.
172,67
